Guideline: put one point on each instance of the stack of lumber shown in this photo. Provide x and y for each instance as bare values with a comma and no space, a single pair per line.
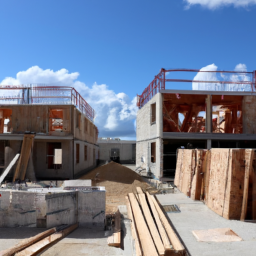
115,239
152,233
224,178
35,244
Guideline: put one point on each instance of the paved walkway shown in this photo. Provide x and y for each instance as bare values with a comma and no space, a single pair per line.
195,215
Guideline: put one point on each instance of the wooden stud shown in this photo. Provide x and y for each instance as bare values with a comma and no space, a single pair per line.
146,240
133,228
166,242
151,225
248,168
177,245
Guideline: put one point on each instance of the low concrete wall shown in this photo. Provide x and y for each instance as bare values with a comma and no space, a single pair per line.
47,208
17,209
91,208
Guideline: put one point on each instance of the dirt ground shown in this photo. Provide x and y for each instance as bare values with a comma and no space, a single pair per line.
118,181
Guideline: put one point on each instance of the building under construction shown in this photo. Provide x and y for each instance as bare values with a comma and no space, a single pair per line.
220,113
61,140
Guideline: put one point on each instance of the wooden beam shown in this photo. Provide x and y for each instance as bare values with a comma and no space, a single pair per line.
26,149
35,248
139,191
133,228
115,238
177,245
151,224
146,240
248,168
27,242
166,242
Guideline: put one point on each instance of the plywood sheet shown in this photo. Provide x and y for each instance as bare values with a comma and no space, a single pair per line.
216,235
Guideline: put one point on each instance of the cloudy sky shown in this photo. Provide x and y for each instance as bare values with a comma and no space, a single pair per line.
111,50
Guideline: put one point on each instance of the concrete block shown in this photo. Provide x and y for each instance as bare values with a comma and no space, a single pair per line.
77,183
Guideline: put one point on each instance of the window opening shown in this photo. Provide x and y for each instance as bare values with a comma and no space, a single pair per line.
153,152
153,113
77,153
56,120
52,161
85,153
6,121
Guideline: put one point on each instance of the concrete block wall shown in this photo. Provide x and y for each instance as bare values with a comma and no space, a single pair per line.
249,115
61,209
39,208
143,156
91,209
17,209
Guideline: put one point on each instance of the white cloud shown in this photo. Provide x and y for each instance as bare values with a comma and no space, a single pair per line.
205,76
218,77
115,111
213,4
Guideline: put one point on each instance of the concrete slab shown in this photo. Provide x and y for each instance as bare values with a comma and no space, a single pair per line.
194,215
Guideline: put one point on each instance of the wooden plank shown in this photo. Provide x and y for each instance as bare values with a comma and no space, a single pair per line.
166,242
139,191
133,228
6,171
26,149
177,245
151,224
115,238
248,168
146,240
35,248
27,242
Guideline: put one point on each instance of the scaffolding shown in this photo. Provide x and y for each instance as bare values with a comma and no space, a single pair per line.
227,81
46,95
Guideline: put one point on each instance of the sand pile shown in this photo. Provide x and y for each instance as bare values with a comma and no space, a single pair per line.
118,181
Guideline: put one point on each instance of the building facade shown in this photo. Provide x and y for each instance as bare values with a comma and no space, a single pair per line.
65,141
171,119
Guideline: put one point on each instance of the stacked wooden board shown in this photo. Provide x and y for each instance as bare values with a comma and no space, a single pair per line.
151,230
34,245
223,178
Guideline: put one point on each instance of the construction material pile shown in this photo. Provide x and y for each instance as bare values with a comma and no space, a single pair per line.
224,178
118,181
151,230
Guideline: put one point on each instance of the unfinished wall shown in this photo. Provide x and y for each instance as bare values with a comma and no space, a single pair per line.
84,163
249,115
17,209
41,160
91,209
143,157
61,209
125,149
84,129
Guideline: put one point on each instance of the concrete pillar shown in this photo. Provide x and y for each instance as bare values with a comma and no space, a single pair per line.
209,144
208,114
159,115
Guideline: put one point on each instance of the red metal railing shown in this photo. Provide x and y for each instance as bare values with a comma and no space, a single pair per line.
160,80
48,95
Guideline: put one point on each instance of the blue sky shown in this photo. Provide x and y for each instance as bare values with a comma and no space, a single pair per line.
123,44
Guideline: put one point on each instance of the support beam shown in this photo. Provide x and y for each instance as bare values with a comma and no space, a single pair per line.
208,102
6,171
